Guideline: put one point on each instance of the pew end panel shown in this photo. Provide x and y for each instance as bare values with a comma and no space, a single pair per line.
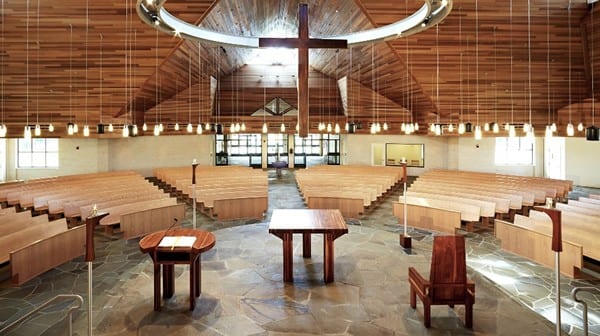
43,255
240,208
428,218
349,207
537,246
137,224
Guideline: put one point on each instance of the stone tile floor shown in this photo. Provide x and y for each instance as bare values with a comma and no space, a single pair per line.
242,291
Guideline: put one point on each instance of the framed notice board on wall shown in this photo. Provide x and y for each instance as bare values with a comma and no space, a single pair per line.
414,154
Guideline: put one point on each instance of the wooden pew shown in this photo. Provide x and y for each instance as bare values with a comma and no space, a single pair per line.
428,218
20,238
578,209
145,221
20,223
589,200
532,240
587,205
11,217
594,196
487,209
468,213
578,229
115,212
45,254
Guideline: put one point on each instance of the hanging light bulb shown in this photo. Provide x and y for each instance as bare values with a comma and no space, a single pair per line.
450,128
410,128
512,132
378,127
38,130
156,130
231,128
416,126
144,127
438,129
161,128
403,127
329,128
207,126
134,130
51,128
86,130
553,127
75,128
526,128
189,128
496,128
176,126
461,128
580,127
70,128
432,128
507,127
243,127
373,129
548,133
347,127
385,126
238,127
297,127
282,128
337,128
570,129
125,131
2,131
27,132
477,132
486,127
265,129
199,129
111,128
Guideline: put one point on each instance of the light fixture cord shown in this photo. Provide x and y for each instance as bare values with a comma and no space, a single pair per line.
512,96
27,68
548,56
100,78
569,18
495,81
71,73
477,59
528,54
592,66
460,83
87,24
437,71
37,100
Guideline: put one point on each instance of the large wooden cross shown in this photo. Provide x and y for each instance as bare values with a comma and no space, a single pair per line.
303,42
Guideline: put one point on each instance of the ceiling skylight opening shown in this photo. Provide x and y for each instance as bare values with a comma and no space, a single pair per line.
273,56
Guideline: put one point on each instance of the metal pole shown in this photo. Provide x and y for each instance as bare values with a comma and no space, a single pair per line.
89,298
405,210
557,284
194,206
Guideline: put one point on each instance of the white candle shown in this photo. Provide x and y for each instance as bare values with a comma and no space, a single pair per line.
194,162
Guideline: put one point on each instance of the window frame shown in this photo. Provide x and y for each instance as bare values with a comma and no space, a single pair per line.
507,153
31,152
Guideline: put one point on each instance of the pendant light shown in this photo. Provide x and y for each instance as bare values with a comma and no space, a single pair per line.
461,124
125,132
111,128
86,128
134,129
438,126
591,133
570,128
26,129
531,128
550,128
477,127
38,129
3,129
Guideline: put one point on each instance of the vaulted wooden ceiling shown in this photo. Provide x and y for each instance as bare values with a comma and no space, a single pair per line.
114,68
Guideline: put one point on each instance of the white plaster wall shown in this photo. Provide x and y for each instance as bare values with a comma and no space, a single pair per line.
75,156
357,149
453,153
582,162
143,154
479,155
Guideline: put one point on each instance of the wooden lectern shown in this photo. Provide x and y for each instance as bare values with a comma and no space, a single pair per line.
167,257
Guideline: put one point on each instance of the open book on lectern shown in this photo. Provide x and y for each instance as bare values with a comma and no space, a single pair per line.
177,241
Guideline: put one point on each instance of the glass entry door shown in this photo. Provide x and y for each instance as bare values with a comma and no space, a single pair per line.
238,150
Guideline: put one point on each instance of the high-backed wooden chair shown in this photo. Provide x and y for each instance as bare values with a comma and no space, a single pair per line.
448,283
